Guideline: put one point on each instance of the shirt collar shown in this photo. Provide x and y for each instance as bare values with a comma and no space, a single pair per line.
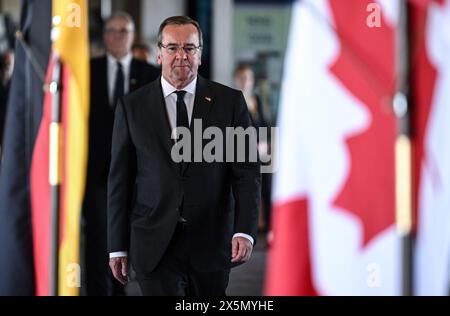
168,89
125,61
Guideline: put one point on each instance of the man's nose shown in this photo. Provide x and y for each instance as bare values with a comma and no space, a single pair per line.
181,54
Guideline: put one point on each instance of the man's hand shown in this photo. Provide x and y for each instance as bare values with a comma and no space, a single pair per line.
241,249
118,267
263,151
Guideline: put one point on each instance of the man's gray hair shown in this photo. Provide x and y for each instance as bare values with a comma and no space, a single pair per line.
121,15
180,20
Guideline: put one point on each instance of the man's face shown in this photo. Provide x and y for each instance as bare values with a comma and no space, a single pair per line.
179,68
118,37
244,80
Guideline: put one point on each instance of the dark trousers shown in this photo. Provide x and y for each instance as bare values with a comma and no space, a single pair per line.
99,279
175,276
266,195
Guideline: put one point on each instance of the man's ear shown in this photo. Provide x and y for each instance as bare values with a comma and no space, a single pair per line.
159,57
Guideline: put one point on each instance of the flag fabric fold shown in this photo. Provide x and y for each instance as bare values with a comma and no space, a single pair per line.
431,100
70,48
21,126
334,191
24,176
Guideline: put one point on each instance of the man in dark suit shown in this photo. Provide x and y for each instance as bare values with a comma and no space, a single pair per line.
185,224
112,76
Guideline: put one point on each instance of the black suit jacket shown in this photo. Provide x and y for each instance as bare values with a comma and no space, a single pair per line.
147,191
4,92
101,117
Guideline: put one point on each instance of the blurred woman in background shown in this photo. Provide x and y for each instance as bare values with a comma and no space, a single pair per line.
244,80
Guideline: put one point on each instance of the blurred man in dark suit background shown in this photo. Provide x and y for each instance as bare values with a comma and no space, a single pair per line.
112,77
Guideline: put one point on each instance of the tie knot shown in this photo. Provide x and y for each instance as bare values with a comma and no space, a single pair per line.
119,65
180,94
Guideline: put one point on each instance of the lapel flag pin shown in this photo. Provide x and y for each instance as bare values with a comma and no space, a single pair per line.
208,99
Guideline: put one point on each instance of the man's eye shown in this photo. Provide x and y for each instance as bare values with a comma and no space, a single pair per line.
172,49
189,50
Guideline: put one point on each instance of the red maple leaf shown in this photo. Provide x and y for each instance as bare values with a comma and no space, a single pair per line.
365,67
424,3
422,88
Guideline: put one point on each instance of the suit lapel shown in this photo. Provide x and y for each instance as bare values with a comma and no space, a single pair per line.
203,103
134,76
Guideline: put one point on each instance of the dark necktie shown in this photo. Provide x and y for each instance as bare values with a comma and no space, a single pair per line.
182,118
182,115
119,85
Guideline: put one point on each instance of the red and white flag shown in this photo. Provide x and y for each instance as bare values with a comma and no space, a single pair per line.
334,194
431,92
334,216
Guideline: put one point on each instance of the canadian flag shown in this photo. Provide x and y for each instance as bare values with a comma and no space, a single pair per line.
431,92
334,227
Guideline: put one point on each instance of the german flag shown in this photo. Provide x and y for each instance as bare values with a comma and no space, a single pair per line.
60,153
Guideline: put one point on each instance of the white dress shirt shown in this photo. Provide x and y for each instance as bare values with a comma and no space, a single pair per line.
170,98
112,73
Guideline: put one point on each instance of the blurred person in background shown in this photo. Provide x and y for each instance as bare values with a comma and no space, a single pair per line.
6,69
244,80
96,44
142,52
112,77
